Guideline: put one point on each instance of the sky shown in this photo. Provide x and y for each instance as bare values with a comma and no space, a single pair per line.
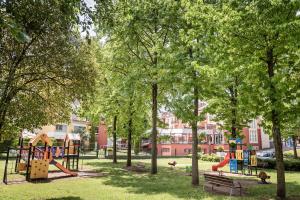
90,3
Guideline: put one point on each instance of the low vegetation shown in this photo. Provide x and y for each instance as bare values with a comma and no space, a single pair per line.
118,183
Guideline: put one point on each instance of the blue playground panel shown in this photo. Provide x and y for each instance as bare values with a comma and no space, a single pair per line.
53,150
246,158
233,166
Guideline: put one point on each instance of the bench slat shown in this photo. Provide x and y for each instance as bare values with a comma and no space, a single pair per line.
222,181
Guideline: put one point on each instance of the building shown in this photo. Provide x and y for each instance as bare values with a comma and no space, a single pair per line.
176,138
180,137
104,141
76,125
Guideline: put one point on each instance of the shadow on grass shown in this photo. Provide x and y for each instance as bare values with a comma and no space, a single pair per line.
167,181
175,183
66,198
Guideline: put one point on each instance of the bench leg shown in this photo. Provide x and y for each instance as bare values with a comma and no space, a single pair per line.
230,191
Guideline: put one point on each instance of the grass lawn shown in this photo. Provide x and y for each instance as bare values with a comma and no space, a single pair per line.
121,184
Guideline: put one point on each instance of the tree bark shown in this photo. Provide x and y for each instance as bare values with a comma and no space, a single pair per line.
129,141
295,146
195,170
233,99
154,129
281,190
115,139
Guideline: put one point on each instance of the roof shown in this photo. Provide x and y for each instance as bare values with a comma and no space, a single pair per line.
73,136
57,135
179,131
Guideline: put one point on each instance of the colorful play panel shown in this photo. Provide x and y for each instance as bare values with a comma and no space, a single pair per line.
239,159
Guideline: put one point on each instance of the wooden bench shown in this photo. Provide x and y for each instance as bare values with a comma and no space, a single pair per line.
215,180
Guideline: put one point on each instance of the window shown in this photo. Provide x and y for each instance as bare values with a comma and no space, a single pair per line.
61,128
165,150
253,135
188,151
219,139
253,124
79,129
181,139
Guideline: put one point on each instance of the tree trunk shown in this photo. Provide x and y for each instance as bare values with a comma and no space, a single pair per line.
137,146
233,99
115,139
154,129
195,170
279,155
295,146
129,141
281,192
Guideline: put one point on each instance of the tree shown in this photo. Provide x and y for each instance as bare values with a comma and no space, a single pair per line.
189,70
230,99
266,33
144,29
120,95
46,68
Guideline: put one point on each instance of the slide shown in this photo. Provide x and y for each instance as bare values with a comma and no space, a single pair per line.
62,168
222,164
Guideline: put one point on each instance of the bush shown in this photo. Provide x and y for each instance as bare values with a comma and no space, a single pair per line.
210,158
288,154
188,169
220,148
109,149
289,164
191,155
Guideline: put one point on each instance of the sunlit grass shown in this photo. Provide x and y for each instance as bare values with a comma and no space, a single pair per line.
120,184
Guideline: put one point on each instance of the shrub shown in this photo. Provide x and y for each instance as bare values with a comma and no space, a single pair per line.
289,164
288,154
220,148
188,169
210,158
109,149
191,155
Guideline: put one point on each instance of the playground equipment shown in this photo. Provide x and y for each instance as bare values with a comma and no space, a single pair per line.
222,163
239,159
34,160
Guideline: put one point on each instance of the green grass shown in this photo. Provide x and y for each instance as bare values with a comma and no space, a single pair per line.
120,184
291,152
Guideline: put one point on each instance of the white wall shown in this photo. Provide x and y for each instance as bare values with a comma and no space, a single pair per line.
265,139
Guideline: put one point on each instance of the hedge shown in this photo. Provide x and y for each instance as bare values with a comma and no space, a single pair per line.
289,164
210,158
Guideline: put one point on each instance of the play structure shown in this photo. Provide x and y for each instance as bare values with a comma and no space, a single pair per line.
34,159
239,159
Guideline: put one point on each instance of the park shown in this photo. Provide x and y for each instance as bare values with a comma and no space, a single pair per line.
149,99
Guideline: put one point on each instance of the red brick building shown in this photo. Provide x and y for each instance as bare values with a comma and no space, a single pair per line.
180,142
102,135
179,136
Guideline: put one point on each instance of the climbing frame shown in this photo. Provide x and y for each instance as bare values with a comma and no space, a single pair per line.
39,169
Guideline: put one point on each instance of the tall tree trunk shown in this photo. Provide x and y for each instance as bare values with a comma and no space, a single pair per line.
281,191
195,170
295,146
233,99
154,129
137,146
129,141
115,139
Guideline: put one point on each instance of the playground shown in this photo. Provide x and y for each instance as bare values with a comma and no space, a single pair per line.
119,183
44,170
